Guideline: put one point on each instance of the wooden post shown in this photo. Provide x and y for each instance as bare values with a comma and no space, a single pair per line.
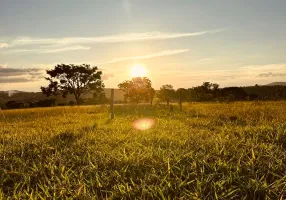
111,104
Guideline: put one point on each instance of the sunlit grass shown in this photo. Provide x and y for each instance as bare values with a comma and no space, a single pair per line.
211,150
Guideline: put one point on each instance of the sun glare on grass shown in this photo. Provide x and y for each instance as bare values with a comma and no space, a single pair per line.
143,124
138,71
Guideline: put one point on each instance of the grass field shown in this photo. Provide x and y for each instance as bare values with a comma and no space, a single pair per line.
208,151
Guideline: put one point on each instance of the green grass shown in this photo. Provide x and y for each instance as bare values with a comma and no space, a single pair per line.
209,151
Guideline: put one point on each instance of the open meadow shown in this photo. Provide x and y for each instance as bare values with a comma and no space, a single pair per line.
207,151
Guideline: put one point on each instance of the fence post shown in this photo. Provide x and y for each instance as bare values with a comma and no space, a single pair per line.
111,104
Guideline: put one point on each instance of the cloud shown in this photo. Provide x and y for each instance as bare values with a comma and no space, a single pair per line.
70,48
148,56
18,71
107,76
235,76
15,79
3,45
245,72
16,75
108,39
263,68
271,74
3,66
49,50
56,45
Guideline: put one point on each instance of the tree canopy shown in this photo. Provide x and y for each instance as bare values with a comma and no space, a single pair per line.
207,91
182,95
166,93
138,89
73,79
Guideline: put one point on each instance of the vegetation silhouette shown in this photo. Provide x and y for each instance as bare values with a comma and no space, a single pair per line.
166,93
138,90
73,79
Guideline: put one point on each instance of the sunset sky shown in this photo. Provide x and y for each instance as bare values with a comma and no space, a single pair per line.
179,42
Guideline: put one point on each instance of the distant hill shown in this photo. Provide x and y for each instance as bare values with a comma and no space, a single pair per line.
11,92
276,83
15,95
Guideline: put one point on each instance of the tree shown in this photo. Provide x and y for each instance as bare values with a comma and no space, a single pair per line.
207,86
233,93
215,86
151,95
182,95
207,91
125,86
73,79
196,93
100,98
166,93
138,89
215,90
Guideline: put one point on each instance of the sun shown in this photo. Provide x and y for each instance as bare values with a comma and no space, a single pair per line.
138,71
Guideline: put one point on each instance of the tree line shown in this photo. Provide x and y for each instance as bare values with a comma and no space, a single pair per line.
79,79
140,89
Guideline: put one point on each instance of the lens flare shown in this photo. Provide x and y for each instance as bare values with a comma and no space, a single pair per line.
143,124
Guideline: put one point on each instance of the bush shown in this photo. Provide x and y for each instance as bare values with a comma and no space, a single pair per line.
46,103
71,103
16,104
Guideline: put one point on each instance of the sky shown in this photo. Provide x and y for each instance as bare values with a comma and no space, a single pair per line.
179,42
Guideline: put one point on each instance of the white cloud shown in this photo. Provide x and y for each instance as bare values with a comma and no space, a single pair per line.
55,45
148,56
108,39
3,45
69,48
49,50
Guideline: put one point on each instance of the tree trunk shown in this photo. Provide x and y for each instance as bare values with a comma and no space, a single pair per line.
168,102
77,98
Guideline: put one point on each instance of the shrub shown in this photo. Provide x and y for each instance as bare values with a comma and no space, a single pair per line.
16,104
47,103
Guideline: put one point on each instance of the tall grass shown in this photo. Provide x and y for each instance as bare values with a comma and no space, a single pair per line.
208,151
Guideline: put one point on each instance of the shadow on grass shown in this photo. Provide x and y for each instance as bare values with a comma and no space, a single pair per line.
143,110
131,110
64,140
